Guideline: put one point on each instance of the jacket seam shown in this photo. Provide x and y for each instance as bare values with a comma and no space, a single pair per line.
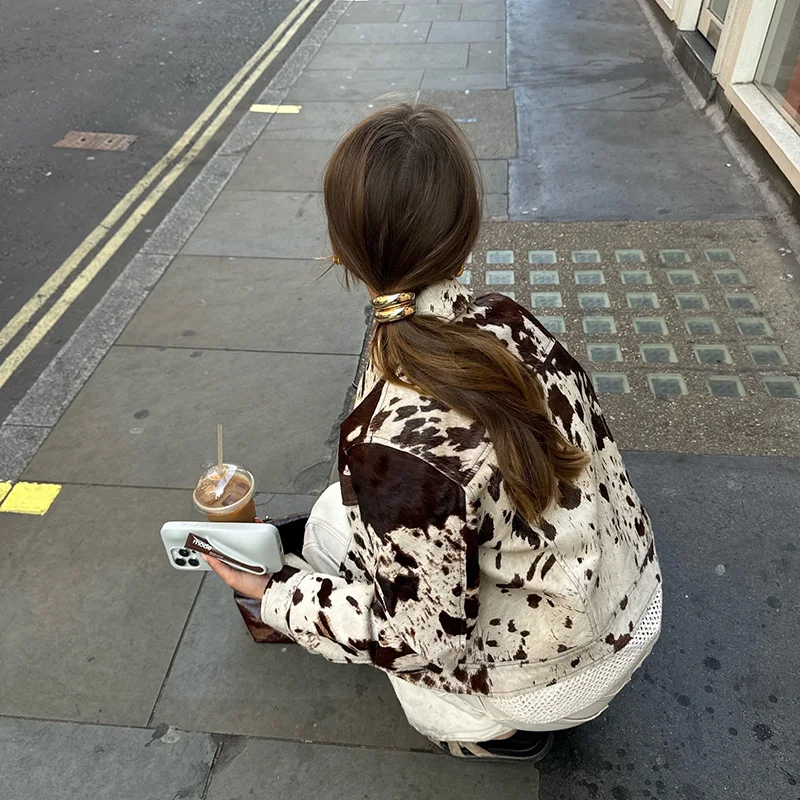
472,470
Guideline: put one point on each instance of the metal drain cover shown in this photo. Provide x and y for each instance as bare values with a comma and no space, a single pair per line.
88,140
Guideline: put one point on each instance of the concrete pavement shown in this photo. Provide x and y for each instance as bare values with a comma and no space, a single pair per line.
121,678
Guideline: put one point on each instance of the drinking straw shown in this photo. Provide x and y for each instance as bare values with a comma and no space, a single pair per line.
219,449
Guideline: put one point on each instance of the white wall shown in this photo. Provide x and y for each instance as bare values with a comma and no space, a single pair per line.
689,14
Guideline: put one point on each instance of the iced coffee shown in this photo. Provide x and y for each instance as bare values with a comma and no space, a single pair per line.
225,493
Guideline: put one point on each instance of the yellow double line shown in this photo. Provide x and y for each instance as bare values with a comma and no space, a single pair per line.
198,134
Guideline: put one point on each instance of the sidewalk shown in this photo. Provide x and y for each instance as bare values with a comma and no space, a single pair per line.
120,679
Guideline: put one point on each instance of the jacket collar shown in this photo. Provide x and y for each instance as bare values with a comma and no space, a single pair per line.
445,300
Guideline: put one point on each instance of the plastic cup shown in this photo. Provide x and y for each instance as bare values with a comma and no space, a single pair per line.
226,497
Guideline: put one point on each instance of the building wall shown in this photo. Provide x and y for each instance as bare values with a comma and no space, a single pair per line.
743,40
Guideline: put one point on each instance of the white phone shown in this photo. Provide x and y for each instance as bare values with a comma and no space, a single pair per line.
253,547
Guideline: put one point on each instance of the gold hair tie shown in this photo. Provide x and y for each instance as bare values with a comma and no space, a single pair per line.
394,307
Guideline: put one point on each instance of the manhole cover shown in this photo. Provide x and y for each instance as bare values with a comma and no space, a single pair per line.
88,140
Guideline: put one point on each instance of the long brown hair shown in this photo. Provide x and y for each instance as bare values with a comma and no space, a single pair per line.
404,211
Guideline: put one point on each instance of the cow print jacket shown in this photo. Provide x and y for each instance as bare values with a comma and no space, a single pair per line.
444,584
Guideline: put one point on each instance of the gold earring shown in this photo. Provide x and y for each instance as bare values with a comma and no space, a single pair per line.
461,271
336,260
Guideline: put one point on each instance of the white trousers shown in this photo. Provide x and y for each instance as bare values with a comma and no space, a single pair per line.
438,715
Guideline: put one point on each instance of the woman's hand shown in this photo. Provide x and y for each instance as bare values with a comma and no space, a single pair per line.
245,583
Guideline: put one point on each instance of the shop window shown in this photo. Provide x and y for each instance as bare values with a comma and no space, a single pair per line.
778,73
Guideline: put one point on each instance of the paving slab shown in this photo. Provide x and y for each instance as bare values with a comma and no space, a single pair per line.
222,681
380,33
234,304
160,408
713,712
431,13
92,611
463,79
62,761
266,225
487,57
344,773
282,166
486,117
372,12
483,11
323,121
375,56
602,266
475,31
495,207
495,176
357,85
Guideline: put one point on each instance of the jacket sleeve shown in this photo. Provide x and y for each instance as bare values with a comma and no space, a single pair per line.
423,601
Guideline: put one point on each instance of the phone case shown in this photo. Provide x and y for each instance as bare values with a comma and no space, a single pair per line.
250,547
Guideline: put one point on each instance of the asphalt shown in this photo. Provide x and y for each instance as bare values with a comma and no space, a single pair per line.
711,715
120,678
146,69
606,132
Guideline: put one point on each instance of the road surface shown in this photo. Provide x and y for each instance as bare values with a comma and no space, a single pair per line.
146,69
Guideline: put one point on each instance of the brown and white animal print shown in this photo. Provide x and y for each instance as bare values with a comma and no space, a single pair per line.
444,583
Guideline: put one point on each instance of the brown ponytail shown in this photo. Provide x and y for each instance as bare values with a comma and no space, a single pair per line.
404,212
